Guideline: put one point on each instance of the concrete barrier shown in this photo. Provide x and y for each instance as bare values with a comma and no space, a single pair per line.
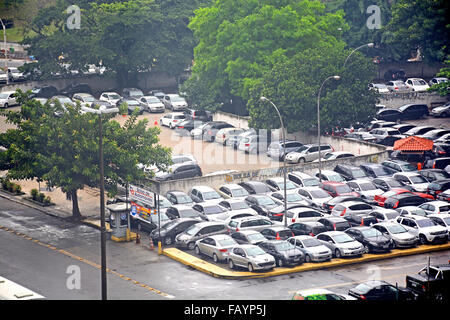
396,100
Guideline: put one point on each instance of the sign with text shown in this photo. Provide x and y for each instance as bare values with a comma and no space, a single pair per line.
141,195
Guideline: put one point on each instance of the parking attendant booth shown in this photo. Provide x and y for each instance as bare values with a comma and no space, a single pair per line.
118,220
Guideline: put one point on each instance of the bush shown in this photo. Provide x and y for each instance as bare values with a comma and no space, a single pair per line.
47,200
41,197
16,188
34,194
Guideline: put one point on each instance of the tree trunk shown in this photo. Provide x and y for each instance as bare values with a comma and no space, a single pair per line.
75,209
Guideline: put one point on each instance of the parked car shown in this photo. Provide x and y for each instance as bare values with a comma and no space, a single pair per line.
248,237
431,282
350,172
441,149
437,163
182,211
360,219
437,80
361,136
132,105
151,104
414,111
387,183
85,99
382,133
444,195
15,75
313,249
217,247
179,197
416,131
255,187
302,179
385,215
441,111
335,189
388,114
251,257
311,228
397,86
308,153
198,231
335,155
256,223
180,171
167,233
332,223
279,149
394,166
292,198
8,99
172,119
344,209
378,87
198,115
411,210
329,205
341,244
45,91
277,184
232,190
413,179
401,237
133,93
277,233
315,194
380,290
262,204
374,170
372,239
417,84
204,193
3,77
403,127
254,144
412,158
424,228
184,127
174,102
225,133
209,211
403,200
330,175
442,219
111,97
210,130
285,253
435,206
320,294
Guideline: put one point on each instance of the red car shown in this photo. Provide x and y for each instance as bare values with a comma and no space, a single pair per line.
380,199
335,189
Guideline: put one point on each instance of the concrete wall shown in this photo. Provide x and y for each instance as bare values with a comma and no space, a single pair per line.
378,154
396,100
412,69
235,120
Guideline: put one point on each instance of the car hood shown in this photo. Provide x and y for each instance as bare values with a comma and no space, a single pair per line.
439,109
403,236
291,252
434,229
349,245
318,249
262,258
420,187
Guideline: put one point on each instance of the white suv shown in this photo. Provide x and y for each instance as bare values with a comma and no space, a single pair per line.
424,228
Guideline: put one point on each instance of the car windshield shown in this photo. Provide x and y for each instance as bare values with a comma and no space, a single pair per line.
284,246
444,208
418,179
343,189
371,233
425,223
447,221
169,225
367,186
114,96
265,201
178,99
88,98
293,197
254,251
313,242
239,192
164,203
153,100
179,117
397,228
418,212
343,238
188,213
336,178
213,209
328,156
4,95
310,182
419,82
256,237
192,230
64,100
239,205
136,94
184,199
358,173
289,185
319,194
408,167
303,148
210,195
226,242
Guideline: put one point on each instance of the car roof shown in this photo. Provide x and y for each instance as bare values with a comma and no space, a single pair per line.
302,237
232,186
203,188
181,206
333,233
8,92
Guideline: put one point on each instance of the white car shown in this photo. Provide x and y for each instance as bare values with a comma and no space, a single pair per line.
384,214
223,134
437,206
111,97
172,119
151,104
341,244
251,257
379,87
7,99
237,206
437,80
425,228
15,74
442,219
365,188
174,102
400,236
197,133
85,99
330,175
442,111
417,84
335,155
315,194
413,179
3,76
301,214
232,190
345,209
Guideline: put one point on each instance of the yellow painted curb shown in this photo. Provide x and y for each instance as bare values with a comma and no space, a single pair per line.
219,272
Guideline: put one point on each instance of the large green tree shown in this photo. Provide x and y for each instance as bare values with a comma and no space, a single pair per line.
64,151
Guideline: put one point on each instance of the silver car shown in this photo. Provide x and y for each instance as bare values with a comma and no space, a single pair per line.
313,249
344,209
248,237
216,247
400,236
187,239
397,86
151,104
251,257
341,244
308,152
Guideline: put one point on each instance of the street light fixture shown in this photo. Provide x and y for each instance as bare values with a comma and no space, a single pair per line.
6,51
370,45
102,194
284,156
318,122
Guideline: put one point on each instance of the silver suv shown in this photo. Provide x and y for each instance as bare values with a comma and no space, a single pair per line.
250,223
308,152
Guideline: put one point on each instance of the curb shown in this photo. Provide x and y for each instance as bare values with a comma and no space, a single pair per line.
220,272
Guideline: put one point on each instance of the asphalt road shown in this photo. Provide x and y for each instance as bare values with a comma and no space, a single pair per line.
45,254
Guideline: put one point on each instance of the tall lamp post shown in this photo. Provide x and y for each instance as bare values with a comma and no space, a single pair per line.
284,156
6,51
102,195
318,122
370,45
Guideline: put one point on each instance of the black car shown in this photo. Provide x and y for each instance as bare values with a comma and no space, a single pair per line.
394,166
184,127
438,163
389,115
403,200
43,92
329,205
263,204
403,127
431,282
167,233
206,210
309,228
210,130
374,170
389,141
334,223
441,149
179,197
387,183
285,253
350,172
132,105
380,290
197,115
434,174
277,233
414,111
248,237
73,88
360,219
255,187
180,171
372,239
438,186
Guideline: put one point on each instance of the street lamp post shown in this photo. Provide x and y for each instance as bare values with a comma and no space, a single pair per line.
370,45
318,122
6,51
284,156
102,196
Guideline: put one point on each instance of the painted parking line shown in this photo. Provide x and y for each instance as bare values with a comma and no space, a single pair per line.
93,264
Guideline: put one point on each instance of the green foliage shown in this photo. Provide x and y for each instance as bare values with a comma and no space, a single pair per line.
34,194
64,151
443,88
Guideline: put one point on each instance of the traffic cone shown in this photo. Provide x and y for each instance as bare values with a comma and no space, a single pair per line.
152,246
156,122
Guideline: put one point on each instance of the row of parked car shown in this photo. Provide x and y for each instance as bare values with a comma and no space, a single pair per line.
406,85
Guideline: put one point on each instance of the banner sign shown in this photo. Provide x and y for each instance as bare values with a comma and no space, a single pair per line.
138,194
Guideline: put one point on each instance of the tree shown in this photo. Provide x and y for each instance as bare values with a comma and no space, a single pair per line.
443,88
238,41
293,86
64,151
